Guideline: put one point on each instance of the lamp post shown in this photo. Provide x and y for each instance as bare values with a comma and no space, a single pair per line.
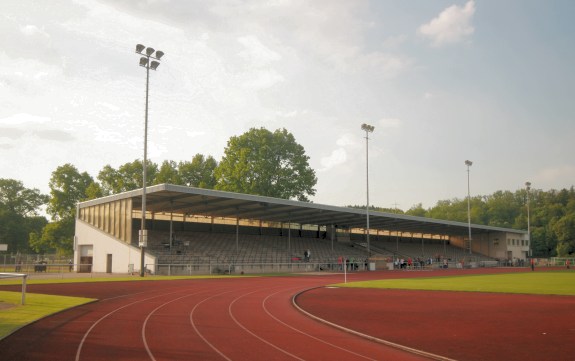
368,129
148,53
528,188
468,163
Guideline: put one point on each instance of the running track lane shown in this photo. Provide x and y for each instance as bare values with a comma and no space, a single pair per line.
225,319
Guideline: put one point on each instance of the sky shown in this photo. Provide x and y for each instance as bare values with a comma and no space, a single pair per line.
441,81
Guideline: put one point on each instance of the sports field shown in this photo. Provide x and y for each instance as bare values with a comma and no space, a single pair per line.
536,283
455,314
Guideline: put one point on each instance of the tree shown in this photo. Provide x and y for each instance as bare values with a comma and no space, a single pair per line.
168,173
127,177
267,164
67,187
20,200
416,210
19,209
564,229
55,236
199,172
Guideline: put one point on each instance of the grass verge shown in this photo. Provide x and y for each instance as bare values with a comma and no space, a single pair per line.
542,283
37,306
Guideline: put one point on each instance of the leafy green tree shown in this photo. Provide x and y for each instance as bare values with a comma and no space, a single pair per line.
564,229
503,208
94,191
267,164
19,209
127,177
57,236
168,173
67,187
20,200
199,172
416,210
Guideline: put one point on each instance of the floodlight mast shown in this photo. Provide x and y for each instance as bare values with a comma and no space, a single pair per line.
145,62
468,163
368,129
528,188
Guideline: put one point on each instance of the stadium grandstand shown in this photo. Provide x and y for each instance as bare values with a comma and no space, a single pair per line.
199,231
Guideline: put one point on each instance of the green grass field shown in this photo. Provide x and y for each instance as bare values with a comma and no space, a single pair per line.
36,307
541,283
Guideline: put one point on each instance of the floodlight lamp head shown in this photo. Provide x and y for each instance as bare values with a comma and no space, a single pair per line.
139,48
528,185
468,163
367,127
154,65
149,51
159,54
143,61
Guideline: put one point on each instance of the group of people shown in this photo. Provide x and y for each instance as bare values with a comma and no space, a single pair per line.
351,264
411,263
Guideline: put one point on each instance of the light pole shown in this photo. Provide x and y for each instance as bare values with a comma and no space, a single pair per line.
368,129
148,53
528,188
468,163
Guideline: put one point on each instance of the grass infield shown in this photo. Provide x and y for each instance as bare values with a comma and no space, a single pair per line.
540,283
37,306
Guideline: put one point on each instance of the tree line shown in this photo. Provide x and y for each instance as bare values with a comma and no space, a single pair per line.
551,216
258,162
265,163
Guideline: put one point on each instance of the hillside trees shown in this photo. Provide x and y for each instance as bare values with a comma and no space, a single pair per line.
552,216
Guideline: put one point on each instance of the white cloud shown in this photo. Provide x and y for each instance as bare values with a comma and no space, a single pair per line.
22,118
452,25
557,174
344,140
32,30
337,157
256,53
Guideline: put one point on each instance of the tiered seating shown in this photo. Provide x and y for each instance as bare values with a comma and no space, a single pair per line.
428,250
203,247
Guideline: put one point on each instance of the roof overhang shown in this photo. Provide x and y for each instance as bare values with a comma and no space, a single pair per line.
197,201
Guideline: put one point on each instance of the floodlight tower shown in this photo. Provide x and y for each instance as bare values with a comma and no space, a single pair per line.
468,163
368,129
528,188
148,53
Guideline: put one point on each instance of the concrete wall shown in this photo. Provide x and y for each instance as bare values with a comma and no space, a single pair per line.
123,255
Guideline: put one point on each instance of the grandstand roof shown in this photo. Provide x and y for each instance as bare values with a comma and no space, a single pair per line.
197,201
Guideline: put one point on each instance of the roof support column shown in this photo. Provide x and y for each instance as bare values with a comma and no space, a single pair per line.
237,234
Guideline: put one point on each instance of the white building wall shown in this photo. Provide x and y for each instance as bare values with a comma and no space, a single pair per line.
123,255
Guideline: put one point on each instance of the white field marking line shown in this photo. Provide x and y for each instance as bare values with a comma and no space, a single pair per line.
198,331
372,338
307,334
154,311
106,316
252,333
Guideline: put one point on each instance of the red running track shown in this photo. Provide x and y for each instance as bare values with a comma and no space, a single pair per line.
255,319
223,319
